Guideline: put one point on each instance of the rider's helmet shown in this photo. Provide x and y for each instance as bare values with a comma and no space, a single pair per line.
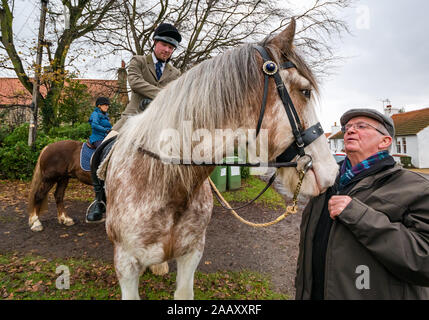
167,33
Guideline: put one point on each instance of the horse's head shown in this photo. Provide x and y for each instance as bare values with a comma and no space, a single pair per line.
302,87
226,93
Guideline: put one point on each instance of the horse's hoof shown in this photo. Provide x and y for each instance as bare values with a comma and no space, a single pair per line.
37,226
159,269
68,222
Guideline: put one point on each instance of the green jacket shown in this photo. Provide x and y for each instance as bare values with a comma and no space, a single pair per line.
378,247
144,84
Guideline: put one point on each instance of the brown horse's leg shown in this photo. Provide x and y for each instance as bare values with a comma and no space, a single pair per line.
63,218
39,204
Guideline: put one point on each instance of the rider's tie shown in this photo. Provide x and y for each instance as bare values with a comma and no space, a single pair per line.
158,69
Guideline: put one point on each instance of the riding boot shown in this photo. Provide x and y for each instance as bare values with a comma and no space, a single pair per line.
98,207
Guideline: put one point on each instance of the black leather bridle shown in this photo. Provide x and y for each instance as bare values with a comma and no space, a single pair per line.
303,138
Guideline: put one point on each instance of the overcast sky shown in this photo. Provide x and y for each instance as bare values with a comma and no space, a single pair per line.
387,56
388,59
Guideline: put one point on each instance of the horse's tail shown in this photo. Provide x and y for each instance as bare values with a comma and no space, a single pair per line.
34,199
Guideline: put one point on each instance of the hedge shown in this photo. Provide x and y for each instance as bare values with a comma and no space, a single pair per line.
17,159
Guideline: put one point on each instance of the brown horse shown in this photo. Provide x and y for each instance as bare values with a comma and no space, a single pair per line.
57,163
157,211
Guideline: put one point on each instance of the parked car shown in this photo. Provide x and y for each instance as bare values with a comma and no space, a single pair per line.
339,156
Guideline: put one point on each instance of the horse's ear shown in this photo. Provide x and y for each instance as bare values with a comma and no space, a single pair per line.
284,40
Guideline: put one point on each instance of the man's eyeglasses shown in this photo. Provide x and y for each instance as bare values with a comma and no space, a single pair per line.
360,126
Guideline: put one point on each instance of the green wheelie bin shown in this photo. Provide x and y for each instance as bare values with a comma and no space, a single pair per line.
234,175
219,178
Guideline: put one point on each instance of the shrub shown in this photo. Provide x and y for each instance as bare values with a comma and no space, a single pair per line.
18,134
17,159
245,172
3,134
80,131
75,103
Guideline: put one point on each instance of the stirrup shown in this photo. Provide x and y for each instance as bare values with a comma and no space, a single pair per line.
89,209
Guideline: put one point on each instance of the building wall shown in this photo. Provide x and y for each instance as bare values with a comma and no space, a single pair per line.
423,141
336,145
412,148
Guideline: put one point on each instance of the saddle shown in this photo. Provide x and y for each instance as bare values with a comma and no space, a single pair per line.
90,145
86,153
99,155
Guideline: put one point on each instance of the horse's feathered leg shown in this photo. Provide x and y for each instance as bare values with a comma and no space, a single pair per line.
159,269
63,218
186,266
128,271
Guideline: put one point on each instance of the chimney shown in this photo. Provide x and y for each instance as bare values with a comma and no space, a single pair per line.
390,111
335,128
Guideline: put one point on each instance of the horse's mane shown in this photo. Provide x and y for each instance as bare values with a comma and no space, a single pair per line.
223,91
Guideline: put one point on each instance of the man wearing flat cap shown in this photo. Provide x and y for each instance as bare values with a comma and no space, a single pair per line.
367,237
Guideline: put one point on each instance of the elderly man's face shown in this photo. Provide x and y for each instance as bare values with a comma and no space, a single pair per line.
361,143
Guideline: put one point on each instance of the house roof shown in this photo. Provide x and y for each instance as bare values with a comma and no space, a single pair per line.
411,123
338,135
12,92
406,124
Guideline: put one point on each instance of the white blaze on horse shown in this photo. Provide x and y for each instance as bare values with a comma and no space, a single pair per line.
157,211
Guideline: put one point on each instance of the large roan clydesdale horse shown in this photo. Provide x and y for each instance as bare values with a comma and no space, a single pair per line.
158,211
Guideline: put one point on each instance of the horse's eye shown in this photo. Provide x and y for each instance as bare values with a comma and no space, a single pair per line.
306,93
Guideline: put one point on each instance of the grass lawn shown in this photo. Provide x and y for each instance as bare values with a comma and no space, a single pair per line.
36,278
250,188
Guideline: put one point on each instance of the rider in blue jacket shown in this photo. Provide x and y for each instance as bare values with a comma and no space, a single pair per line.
99,120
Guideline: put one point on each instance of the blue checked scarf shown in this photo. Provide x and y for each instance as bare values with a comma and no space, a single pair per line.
347,172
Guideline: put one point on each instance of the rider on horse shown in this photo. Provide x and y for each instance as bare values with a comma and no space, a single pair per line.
147,75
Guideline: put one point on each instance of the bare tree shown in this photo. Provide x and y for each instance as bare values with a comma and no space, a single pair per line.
84,17
101,28
211,26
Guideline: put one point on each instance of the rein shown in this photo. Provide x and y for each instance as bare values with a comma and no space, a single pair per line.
293,209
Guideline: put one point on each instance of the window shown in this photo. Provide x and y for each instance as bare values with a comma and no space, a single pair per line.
404,145
398,146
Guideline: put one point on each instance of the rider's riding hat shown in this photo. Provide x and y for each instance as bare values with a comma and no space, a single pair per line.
167,33
101,101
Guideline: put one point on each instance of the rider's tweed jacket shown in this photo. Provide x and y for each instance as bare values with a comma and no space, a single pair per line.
144,84
384,230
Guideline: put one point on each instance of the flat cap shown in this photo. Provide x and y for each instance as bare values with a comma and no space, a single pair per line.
386,121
